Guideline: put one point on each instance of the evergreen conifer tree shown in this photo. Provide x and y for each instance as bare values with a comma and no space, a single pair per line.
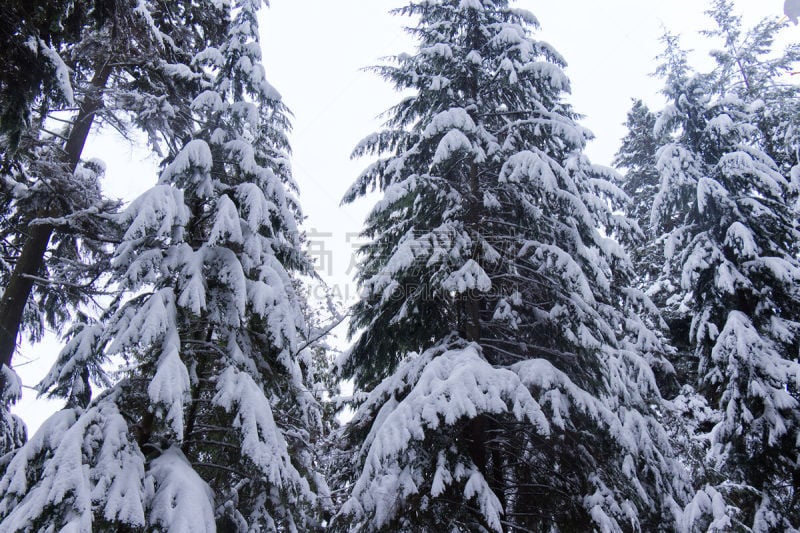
497,337
749,65
731,240
637,158
207,427
71,66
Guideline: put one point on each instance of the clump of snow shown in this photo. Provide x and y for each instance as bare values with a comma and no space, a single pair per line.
61,71
455,118
262,441
194,160
179,500
51,472
791,9
12,386
453,142
470,277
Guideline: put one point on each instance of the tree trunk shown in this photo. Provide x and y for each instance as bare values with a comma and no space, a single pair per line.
31,258
191,416
472,304
478,434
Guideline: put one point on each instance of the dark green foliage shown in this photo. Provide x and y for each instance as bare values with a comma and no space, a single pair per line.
487,284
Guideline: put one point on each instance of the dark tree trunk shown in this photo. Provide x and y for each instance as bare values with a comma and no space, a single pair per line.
31,258
479,434
473,300
197,390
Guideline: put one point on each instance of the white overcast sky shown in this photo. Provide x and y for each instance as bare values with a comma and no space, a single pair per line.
314,53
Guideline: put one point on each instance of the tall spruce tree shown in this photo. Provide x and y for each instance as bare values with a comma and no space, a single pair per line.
207,426
750,65
34,77
731,240
497,336
73,66
637,159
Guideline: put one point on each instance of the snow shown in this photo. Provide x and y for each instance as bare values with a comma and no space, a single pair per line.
226,269
438,50
721,125
679,170
193,291
451,119
784,270
12,386
555,274
446,388
13,430
55,458
79,353
179,501
195,161
434,391
204,302
257,210
249,112
550,259
227,226
488,502
728,279
740,238
208,100
154,214
710,192
145,325
120,469
470,4
470,277
262,441
179,71
453,142
210,56
526,165
490,201
169,389
509,35
143,11
61,74
474,57
791,9
235,281
553,74
752,166
697,259
741,350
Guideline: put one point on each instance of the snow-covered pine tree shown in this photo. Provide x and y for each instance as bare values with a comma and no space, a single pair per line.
749,65
208,425
72,66
506,386
30,70
732,242
637,159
